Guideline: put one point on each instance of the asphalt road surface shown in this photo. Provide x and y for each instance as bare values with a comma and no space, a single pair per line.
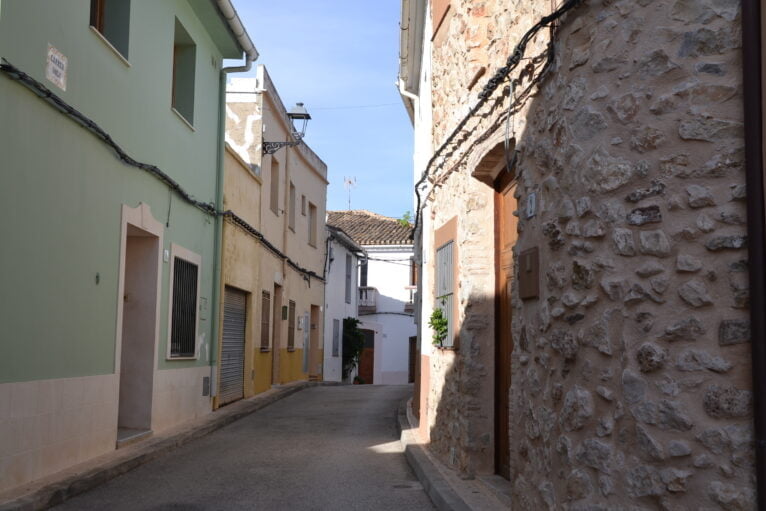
323,448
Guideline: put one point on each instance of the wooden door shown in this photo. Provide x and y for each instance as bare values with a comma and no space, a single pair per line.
505,238
367,358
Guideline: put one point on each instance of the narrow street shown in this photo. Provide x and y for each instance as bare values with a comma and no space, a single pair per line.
323,448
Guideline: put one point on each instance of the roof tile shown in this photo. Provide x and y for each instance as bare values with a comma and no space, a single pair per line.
368,228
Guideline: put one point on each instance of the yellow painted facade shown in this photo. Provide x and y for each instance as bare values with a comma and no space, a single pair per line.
290,203
241,254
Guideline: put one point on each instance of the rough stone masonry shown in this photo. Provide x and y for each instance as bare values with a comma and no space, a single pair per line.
631,372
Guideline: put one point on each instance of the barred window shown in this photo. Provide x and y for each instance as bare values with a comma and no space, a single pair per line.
184,309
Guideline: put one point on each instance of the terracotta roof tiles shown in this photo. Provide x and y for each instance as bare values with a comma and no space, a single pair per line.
368,228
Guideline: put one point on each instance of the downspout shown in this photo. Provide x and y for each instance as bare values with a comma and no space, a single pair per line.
251,54
752,89
409,95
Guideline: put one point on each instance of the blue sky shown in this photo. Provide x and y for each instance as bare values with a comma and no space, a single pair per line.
337,54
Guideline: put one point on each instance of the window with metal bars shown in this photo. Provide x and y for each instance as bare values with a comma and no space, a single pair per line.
445,289
291,326
265,319
183,343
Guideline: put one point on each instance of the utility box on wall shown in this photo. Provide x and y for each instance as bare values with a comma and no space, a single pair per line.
529,274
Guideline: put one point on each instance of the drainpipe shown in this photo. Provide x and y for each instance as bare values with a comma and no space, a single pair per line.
752,89
228,12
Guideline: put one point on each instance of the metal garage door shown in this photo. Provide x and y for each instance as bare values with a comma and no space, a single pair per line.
233,347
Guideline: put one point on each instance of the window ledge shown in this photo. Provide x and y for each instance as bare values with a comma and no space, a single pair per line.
180,358
109,45
290,350
265,350
181,116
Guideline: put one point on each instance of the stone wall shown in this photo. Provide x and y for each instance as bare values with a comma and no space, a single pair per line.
631,372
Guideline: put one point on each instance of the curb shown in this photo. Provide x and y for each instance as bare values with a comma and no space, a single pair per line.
436,487
128,458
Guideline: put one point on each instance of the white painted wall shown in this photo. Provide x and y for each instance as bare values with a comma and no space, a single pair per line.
389,272
336,306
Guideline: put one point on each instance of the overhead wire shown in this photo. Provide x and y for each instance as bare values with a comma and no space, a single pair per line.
208,208
492,84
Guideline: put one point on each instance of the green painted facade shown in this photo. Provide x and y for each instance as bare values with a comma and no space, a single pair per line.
62,189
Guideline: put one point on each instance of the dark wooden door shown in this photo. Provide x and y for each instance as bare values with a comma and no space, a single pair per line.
367,358
505,238
413,359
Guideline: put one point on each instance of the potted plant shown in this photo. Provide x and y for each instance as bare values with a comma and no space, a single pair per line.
440,326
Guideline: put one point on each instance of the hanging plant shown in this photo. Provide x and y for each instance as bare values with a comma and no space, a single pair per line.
440,326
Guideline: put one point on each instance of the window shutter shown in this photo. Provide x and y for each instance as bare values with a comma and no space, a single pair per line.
291,326
445,288
335,337
363,274
348,278
265,318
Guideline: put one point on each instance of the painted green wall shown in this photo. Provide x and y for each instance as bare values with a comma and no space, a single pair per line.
62,190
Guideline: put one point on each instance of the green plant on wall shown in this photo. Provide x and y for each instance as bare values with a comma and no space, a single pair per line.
440,326
353,345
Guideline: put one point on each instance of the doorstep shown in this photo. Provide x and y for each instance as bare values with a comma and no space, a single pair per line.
129,436
446,489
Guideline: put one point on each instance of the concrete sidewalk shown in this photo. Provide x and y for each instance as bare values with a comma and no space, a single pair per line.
59,487
446,489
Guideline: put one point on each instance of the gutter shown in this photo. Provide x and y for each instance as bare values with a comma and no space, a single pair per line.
228,12
240,33
753,99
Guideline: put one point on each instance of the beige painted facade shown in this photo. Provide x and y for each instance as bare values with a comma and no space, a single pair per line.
630,369
292,219
241,260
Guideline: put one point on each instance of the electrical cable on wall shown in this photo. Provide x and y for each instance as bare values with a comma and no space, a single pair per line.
492,84
209,208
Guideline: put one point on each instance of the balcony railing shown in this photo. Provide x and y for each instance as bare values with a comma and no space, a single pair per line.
409,306
368,299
